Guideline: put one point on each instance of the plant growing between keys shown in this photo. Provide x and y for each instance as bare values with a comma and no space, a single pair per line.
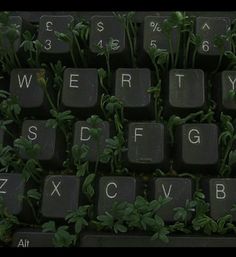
123,216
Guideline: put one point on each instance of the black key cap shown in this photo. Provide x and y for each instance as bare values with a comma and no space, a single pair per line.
13,38
11,187
147,146
61,194
154,37
196,147
105,30
26,85
186,91
224,83
131,88
178,189
117,189
80,91
32,238
53,48
132,240
12,191
208,28
221,195
50,140
82,136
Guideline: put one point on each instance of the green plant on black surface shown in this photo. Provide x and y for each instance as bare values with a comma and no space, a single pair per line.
81,33
32,198
106,52
203,222
79,154
33,47
160,61
43,82
77,33
62,120
67,235
102,75
8,42
95,132
62,237
219,42
7,158
169,27
79,218
32,167
7,223
9,108
127,20
156,93
115,147
141,215
226,140
58,71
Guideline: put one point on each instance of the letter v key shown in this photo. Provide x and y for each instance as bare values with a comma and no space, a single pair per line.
167,194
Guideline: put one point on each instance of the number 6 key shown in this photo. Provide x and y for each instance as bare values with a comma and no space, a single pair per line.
211,32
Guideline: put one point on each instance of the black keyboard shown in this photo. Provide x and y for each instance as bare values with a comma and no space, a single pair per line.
117,129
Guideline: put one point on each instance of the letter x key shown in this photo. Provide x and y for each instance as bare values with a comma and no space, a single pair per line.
60,195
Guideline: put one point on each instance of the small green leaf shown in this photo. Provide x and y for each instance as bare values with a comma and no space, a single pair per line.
33,193
49,226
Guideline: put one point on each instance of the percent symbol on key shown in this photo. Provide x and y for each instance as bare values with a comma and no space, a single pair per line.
155,26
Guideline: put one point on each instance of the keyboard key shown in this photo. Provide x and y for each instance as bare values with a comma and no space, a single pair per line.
50,140
32,238
61,195
209,28
196,147
105,30
54,48
131,87
223,84
80,91
186,91
147,146
13,189
134,240
154,37
111,189
221,194
178,189
82,136
26,86
12,186
12,38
